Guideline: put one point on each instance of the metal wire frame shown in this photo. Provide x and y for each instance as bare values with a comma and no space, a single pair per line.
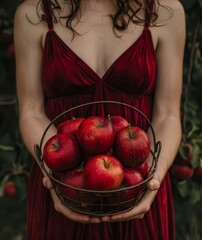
101,207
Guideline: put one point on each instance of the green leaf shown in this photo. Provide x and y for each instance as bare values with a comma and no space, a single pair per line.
186,151
196,156
184,188
195,193
198,141
8,31
193,128
2,184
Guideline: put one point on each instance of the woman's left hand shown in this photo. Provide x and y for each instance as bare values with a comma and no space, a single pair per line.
143,206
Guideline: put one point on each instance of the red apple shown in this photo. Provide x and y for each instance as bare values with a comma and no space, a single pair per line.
69,126
182,172
128,197
9,190
132,146
118,122
198,172
62,152
197,176
58,175
96,135
143,169
131,177
103,172
75,178
86,157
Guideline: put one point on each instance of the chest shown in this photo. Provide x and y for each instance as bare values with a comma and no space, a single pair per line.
66,73
97,43
99,48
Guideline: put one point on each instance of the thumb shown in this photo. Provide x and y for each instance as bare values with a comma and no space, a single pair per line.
47,183
153,184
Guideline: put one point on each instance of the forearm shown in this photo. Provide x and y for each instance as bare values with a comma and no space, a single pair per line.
32,127
168,131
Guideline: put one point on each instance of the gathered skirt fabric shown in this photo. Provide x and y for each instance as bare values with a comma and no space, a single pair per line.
44,223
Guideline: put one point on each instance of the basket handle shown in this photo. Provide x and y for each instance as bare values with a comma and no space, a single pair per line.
39,157
158,147
103,102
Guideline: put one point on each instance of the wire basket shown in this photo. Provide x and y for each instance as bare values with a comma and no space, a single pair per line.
98,203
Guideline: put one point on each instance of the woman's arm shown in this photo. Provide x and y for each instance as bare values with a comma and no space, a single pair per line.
166,114
166,111
27,38
33,120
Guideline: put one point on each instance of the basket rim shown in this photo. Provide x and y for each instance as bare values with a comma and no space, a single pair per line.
100,102
155,152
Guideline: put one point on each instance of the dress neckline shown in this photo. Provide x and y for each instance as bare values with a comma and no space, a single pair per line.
86,65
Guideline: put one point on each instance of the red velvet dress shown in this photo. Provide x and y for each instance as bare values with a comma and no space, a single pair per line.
68,81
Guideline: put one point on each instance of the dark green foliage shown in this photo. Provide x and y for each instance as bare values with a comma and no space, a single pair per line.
15,160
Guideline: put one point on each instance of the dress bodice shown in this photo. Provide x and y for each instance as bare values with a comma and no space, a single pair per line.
66,74
68,81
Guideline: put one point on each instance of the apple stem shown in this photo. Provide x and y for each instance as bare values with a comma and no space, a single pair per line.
106,164
131,135
109,117
82,165
56,145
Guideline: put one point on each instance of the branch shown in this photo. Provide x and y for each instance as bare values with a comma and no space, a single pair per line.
6,148
10,102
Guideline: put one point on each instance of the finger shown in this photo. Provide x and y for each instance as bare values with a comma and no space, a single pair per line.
134,213
77,217
140,216
139,210
72,215
153,184
47,183
95,220
123,216
59,207
106,219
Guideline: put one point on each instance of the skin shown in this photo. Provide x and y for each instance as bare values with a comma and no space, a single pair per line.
97,40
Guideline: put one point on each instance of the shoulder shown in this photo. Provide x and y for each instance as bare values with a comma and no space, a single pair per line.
28,8
171,20
169,11
27,19
170,31
174,4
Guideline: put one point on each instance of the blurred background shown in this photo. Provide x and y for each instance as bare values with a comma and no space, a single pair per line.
186,172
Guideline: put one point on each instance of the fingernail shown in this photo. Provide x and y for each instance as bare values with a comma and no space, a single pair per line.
105,219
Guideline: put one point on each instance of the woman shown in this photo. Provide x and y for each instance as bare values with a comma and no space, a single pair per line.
72,52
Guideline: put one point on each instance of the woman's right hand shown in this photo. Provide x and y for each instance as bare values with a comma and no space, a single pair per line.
59,207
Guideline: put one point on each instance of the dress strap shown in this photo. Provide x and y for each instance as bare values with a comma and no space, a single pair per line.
46,4
148,12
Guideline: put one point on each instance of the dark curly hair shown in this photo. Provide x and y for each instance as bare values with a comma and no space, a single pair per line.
126,12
